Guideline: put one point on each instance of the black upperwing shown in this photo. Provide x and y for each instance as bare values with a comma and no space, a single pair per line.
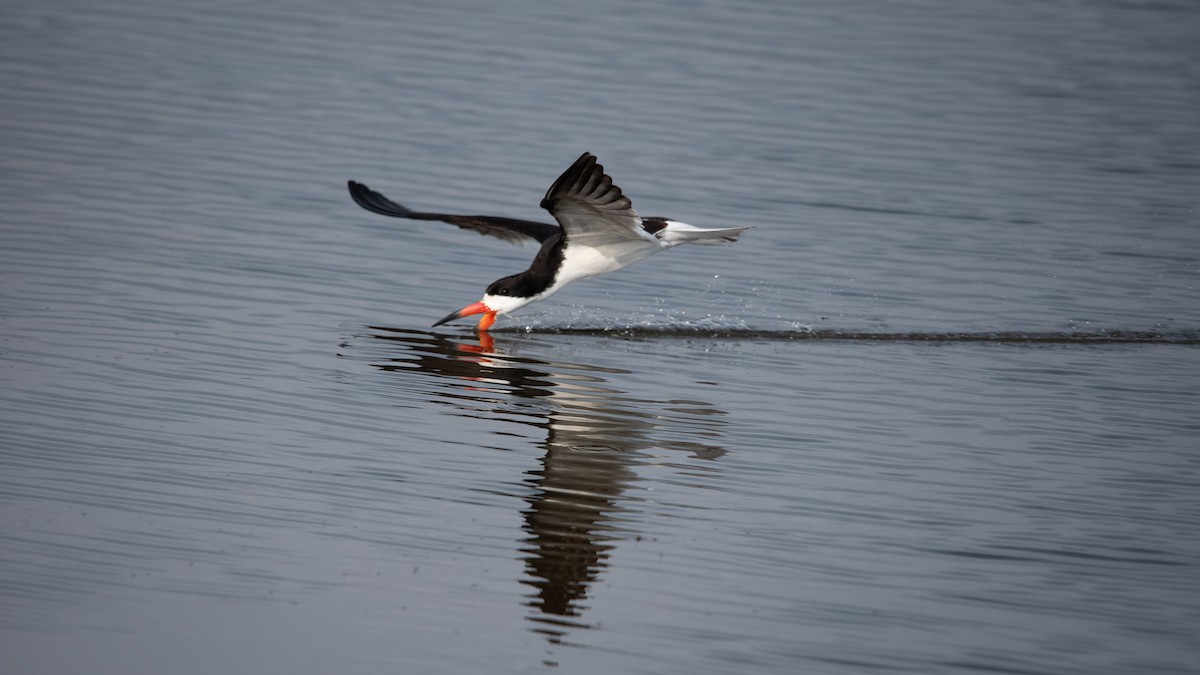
590,208
508,229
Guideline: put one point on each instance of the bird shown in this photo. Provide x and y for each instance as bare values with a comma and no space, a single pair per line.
598,231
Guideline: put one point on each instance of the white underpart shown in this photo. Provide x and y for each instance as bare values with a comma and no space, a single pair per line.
590,255
581,261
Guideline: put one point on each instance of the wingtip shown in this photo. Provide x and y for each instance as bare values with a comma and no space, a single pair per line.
578,170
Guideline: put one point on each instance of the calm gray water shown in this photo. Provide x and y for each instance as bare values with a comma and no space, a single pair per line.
937,413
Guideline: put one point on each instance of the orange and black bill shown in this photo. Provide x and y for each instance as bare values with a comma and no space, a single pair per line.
489,317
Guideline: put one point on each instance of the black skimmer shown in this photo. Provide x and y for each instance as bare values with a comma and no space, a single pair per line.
598,231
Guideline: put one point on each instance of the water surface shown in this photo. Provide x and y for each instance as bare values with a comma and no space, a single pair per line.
934,414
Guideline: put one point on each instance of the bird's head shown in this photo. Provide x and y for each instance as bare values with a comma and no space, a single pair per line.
502,297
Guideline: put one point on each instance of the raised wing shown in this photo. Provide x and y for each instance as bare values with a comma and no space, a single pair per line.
590,208
508,229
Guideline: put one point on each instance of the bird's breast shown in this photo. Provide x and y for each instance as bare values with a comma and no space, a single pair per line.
581,261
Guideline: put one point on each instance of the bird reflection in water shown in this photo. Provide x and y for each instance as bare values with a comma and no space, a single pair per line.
596,435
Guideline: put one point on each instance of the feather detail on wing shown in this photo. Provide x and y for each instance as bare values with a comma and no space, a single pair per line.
508,229
589,207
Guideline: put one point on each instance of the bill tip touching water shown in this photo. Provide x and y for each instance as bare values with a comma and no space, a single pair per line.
598,232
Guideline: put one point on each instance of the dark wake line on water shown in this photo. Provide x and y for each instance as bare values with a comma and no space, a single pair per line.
1002,337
